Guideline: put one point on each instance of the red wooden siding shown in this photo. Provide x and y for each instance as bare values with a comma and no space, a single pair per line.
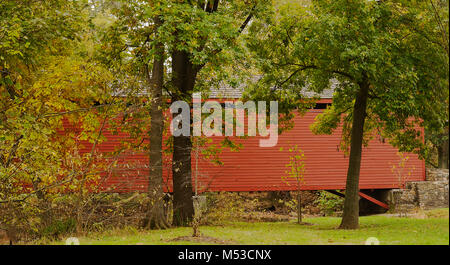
254,168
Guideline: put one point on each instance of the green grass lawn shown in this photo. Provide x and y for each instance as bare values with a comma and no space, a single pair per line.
432,229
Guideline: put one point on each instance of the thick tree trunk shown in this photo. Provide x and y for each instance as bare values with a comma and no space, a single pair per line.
183,206
351,203
156,217
184,75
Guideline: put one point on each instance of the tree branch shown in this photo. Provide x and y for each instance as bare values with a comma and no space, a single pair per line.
344,74
247,20
304,67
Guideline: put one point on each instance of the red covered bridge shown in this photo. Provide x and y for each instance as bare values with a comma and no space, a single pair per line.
255,168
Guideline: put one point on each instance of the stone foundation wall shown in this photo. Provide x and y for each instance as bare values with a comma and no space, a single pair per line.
432,193
437,174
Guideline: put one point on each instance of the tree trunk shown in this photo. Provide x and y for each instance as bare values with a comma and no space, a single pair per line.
443,154
156,217
183,206
351,203
184,75
299,207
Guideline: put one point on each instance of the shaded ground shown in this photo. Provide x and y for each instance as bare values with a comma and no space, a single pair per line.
433,228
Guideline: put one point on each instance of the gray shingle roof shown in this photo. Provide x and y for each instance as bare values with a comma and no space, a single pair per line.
226,91
230,92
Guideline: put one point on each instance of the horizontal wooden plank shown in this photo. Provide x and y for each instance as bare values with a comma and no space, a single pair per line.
255,168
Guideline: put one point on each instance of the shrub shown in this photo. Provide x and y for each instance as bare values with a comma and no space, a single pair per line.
59,227
329,203
58,216
225,207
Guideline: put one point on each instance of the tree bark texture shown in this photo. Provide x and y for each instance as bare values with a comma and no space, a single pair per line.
350,218
184,75
156,217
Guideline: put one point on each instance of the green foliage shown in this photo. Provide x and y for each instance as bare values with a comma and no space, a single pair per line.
400,46
329,203
402,170
211,38
60,216
48,76
59,227
296,166
223,207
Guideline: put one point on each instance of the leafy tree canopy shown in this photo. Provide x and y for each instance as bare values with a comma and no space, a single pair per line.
398,46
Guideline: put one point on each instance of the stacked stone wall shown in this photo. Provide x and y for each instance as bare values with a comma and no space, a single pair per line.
429,194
